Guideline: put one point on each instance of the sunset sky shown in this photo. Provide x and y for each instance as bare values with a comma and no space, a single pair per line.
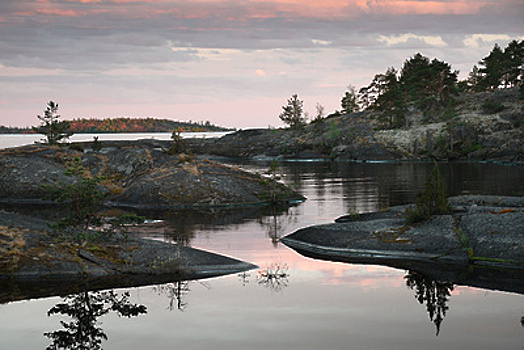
233,63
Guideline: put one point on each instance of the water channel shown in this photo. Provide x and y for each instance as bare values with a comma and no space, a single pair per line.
290,302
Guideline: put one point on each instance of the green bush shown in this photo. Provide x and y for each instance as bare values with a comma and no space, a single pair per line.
82,198
179,145
492,107
431,201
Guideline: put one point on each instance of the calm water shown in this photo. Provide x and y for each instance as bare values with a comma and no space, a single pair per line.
15,140
293,302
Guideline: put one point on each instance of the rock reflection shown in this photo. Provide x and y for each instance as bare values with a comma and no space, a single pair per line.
434,294
85,308
274,277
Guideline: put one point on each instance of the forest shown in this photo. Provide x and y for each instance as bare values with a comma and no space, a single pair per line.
431,85
426,85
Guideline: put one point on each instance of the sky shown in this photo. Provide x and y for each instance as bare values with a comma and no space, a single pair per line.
233,63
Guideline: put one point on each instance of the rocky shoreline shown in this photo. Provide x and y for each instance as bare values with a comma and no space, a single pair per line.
135,174
485,233
469,134
38,261
141,174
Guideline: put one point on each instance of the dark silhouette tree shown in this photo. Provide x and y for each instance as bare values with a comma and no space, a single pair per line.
349,102
492,69
434,294
52,127
390,98
427,84
85,308
514,63
293,112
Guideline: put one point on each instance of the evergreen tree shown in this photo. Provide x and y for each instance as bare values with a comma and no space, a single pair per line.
514,63
474,79
52,127
493,69
292,113
349,101
390,98
428,84
365,97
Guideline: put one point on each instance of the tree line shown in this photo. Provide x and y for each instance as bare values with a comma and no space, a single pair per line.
118,125
428,85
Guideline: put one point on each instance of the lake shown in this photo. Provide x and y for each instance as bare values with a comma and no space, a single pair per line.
293,302
15,140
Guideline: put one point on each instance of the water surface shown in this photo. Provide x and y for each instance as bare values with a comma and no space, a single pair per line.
293,302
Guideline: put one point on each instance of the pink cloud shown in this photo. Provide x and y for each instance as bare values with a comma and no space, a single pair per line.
414,7
253,9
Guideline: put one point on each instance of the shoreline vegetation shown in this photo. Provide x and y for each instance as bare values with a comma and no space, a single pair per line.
125,125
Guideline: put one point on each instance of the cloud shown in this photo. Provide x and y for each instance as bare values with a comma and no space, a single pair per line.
433,40
476,40
260,73
137,54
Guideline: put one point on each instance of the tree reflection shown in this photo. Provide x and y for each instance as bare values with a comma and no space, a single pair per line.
434,294
275,219
84,331
175,292
274,277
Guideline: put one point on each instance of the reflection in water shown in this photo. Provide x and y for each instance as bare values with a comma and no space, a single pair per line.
274,277
275,219
432,293
175,291
244,278
84,331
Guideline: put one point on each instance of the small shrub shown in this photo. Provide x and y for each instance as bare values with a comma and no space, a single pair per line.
82,197
179,145
353,213
492,107
431,201
97,145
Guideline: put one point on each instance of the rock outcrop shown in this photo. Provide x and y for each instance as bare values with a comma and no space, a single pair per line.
35,262
484,232
469,132
139,174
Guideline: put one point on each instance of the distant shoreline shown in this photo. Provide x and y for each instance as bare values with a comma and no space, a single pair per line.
17,140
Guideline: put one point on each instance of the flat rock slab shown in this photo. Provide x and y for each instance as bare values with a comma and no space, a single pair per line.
38,261
482,230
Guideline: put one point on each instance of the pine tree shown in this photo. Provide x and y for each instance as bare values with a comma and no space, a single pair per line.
493,70
52,127
514,63
349,101
292,113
